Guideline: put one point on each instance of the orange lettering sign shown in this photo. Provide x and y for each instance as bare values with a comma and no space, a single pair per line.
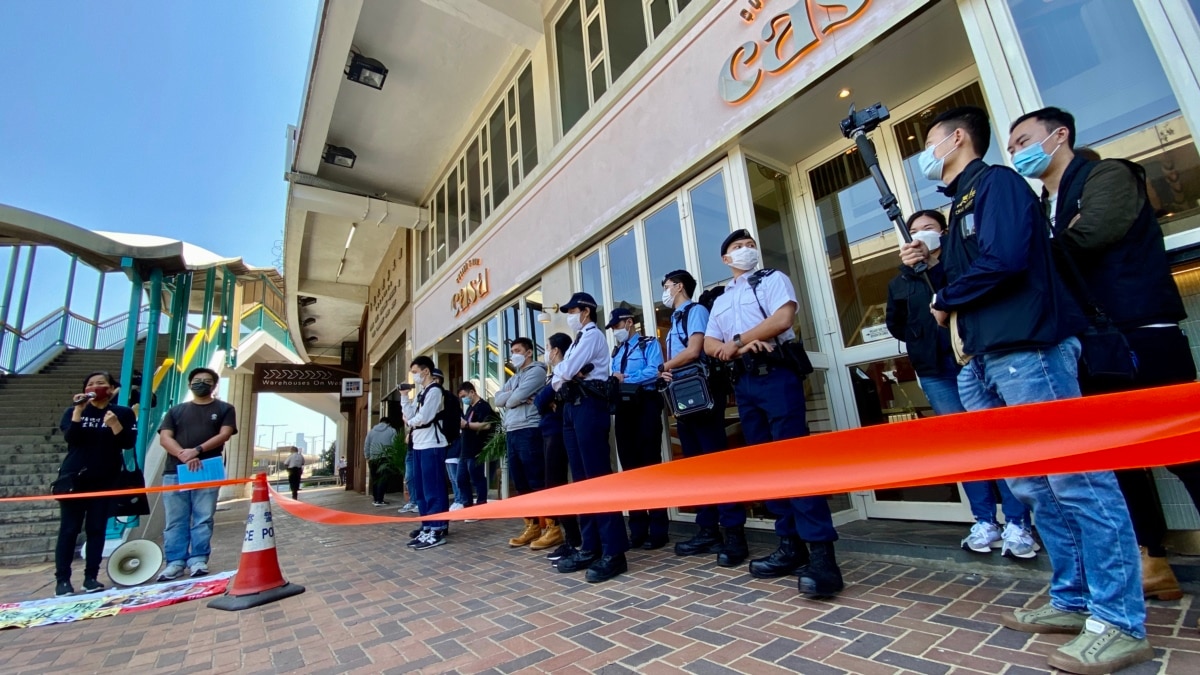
473,292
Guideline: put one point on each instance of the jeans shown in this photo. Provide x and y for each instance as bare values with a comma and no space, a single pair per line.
452,471
430,496
772,409
1081,517
91,516
639,443
471,484
526,463
699,434
585,435
556,475
410,475
187,537
377,484
942,392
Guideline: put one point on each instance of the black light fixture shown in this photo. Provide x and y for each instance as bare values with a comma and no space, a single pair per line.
309,321
339,156
306,300
366,70
311,339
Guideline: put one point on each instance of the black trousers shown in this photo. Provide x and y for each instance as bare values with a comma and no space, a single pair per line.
377,486
89,515
294,481
556,475
638,427
1164,357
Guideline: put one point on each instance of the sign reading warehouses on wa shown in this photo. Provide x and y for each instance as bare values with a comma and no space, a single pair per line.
307,378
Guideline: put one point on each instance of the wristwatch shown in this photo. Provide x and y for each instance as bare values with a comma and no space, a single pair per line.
199,449
737,340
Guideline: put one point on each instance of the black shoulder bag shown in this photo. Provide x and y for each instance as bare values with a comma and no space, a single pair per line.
1106,360
127,506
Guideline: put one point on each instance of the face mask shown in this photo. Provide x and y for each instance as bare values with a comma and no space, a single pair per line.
466,400
201,389
1032,161
668,298
931,239
517,360
744,259
100,390
930,164
574,322
418,378
621,334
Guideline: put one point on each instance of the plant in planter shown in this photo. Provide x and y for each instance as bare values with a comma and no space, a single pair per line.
391,472
496,448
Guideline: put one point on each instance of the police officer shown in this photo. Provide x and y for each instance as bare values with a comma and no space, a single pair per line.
751,326
635,364
701,432
582,376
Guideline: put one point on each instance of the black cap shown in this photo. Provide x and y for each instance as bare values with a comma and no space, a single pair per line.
437,372
736,235
617,315
579,300
680,275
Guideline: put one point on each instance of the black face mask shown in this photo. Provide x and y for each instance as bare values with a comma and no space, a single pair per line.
201,389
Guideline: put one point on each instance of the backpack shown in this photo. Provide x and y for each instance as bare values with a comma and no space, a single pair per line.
447,419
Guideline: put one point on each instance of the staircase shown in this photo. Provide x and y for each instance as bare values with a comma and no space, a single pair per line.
32,448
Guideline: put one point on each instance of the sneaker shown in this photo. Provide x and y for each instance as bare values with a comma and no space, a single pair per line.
198,569
408,508
1018,542
981,537
561,552
430,539
90,585
63,588
1044,619
470,520
1100,648
378,504
172,572
457,507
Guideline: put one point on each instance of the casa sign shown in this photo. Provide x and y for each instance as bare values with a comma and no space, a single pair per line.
473,291
786,37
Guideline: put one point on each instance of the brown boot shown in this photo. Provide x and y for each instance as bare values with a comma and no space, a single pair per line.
1158,581
551,536
532,531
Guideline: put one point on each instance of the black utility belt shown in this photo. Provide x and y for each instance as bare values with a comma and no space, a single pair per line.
628,393
785,356
575,391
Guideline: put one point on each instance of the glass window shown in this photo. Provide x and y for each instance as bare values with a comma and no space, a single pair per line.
533,308
778,240
491,372
512,330
442,224
626,28
1094,58
473,356
421,257
589,278
710,217
498,154
529,150
474,210
625,276
1195,8
660,16
572,66
452,211
664,251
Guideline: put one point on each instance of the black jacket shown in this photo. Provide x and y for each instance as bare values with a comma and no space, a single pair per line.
909,321
1000,273
94,449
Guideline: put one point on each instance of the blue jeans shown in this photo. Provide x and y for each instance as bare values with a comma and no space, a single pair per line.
772,409
452,469
430,485
1081,517
410,473
526,459
942,392
187,537
471,483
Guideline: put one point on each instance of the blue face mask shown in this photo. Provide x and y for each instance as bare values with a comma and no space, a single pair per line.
466,400
930,164
1032,160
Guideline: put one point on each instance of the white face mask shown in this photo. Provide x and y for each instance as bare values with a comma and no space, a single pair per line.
574,322
931,239
668,299
518,360
418,378
744,258
621,334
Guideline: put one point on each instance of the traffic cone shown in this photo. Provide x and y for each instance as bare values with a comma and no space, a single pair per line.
258,579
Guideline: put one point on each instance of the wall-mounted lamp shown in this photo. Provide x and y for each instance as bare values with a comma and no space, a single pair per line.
544,317
311,339
339,156
305,300
309,321
366,70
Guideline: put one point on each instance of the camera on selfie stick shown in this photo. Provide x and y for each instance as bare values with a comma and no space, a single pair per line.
856,126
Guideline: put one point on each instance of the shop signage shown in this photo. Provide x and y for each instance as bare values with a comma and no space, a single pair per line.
786,37
388,290
307,378
473,291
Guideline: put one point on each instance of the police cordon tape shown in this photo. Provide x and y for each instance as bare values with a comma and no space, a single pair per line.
1150,427
132,491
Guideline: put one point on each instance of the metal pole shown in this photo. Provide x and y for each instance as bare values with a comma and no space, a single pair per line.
210,278
96,311
131,325
6,301
62,332
148,359
12,356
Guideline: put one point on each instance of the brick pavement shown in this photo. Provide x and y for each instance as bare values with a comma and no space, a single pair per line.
476,606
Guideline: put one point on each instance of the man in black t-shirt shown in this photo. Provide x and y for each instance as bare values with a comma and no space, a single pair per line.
476,431
191,433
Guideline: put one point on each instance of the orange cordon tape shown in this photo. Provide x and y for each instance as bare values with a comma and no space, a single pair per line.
1152,427
132,491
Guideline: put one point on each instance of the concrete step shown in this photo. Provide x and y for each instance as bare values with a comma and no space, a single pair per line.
33,528
39,480
45,434
39,446
20,464
17,468
18,560
29,512
38,486
43,544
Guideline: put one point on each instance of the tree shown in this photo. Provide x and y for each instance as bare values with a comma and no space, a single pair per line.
328,461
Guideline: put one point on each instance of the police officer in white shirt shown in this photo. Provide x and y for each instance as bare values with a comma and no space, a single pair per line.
751,327
582,378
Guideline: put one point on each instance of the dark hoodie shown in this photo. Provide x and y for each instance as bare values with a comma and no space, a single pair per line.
94,449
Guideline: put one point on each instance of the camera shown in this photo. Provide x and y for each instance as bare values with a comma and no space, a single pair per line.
405,386
864,120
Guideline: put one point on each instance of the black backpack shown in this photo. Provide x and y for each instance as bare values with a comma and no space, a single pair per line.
447,419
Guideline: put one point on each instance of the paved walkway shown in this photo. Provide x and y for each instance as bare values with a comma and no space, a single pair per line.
475,606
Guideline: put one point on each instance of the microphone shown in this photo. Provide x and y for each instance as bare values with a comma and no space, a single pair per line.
89,396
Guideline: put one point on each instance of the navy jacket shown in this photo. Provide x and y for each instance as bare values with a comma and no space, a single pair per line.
1000,271
551,423
909,321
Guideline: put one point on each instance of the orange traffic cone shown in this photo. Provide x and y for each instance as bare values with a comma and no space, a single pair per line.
259,579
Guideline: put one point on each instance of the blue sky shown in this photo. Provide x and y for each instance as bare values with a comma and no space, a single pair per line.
152,116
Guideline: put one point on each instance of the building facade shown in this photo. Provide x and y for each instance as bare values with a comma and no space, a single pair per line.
622,139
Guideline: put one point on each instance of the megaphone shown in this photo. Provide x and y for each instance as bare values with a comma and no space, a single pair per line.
134,562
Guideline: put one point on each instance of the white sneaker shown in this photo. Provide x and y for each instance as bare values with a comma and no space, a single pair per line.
409,508
1018,542
457,507
172,572
198,569
981,537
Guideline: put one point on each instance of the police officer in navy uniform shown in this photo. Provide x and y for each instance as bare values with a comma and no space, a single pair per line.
638,420
582,378
701,432
751,327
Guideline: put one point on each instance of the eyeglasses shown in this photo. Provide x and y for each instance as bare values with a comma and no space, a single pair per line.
201,381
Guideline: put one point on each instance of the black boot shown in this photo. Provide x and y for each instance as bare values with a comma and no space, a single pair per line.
734,551
790,556
821,578
706,540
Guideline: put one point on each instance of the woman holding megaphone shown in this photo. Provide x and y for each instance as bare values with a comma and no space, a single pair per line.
97,434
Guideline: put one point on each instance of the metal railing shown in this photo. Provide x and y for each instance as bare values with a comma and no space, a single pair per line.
62,328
